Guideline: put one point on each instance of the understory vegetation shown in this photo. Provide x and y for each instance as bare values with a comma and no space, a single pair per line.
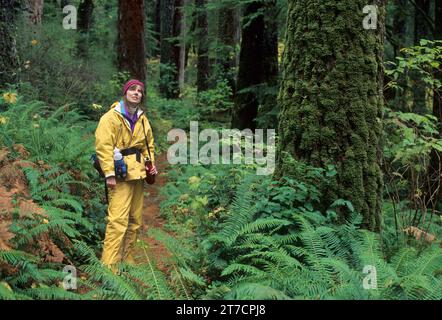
228,233
236,235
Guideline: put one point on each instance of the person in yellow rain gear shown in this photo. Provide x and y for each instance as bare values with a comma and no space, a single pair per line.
124,131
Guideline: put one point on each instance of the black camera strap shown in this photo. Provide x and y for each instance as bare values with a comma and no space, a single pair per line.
106,190
147,143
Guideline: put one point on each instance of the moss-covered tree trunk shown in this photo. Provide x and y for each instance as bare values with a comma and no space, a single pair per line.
258,65
130,44
8,50
331,99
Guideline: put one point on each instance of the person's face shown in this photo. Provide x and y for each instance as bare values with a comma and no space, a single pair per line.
134,94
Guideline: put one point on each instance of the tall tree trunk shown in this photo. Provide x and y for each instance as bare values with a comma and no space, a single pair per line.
203,71
433,192
226,55
157,21
183,46
259,52
398,41
421,31
399,30
85,11
9,64
177,47
131,48
169,51
331,100
152,39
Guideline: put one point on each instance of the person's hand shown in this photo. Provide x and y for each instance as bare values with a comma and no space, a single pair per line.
153,170
111,182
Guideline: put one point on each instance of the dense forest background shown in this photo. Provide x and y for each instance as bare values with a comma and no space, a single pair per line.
352,88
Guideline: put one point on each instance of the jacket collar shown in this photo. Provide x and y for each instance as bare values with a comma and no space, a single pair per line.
118,107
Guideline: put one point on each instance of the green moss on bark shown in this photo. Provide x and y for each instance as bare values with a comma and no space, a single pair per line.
9,65
331,98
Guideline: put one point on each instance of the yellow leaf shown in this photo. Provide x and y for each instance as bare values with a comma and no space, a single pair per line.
194,180
34,42
3,120
10,97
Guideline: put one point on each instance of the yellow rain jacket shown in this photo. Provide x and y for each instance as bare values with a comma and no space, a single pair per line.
114,131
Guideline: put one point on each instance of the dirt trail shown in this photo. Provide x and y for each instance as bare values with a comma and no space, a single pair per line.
151,218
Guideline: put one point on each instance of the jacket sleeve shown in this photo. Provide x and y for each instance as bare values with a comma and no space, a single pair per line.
150,139
104,145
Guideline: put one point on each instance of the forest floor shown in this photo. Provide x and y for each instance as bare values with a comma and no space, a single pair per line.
156,251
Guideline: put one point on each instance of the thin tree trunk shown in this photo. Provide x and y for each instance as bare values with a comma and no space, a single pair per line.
130,45
226,56
183,47
9,64
259,52
331,100
421,31
399,30
85,11
158,20
202,78
177,46
398,41
169,87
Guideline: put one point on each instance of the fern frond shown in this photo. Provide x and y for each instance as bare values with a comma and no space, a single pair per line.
255,291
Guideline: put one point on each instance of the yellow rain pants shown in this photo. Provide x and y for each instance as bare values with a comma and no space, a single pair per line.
124,221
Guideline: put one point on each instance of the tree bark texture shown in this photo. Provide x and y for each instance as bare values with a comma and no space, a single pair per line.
202,32
9,64
258,65
130,45
331,100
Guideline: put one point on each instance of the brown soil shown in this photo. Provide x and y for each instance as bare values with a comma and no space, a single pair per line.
156,251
